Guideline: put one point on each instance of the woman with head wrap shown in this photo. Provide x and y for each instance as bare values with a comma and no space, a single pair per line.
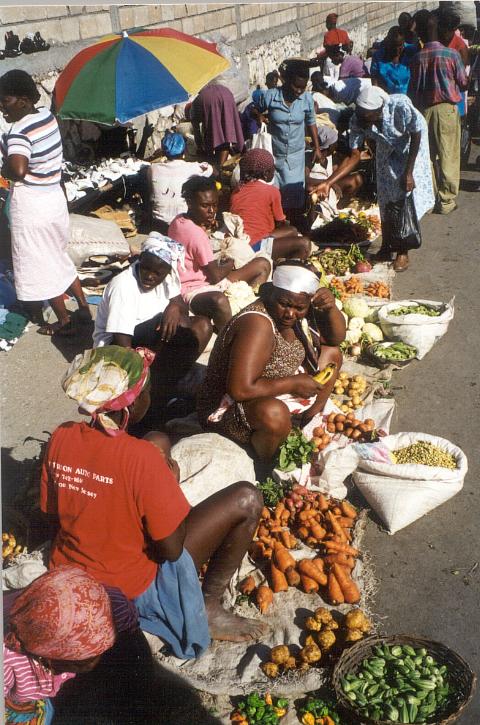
58,626
142,306
290,115
257,357
259,204
122,515
39,223
166,179
402,159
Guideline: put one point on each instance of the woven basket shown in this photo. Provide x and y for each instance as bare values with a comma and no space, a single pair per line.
461,675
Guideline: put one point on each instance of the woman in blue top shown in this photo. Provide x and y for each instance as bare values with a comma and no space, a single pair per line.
290,110
390,67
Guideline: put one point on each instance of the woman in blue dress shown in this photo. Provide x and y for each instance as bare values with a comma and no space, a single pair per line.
390,67
291,114
402,157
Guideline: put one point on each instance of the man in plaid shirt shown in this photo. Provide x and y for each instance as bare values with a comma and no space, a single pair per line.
437,78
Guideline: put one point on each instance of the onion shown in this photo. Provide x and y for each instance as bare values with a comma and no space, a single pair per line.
355,350
362,267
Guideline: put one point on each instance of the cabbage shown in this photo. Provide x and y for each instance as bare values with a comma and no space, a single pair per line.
373,332
356,323
353,336
355,307
373,315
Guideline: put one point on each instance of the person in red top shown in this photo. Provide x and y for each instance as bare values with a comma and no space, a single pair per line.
260,206
448,22
124,519
334,35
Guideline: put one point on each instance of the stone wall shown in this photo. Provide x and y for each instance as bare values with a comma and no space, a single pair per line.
255,30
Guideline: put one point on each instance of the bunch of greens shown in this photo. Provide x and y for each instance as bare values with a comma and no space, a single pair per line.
314,709
295,451
340,261
415,310
273,491
398,351
259,710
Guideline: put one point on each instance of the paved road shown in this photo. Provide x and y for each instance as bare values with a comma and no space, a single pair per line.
418,593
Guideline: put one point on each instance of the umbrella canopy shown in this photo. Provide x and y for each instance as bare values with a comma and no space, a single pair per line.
124,76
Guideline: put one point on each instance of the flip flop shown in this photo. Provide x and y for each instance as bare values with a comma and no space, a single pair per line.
57,330
401,267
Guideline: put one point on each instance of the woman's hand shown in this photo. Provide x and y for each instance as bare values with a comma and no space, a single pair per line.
322,190
304,386
324,300
317,155
408,182
170,321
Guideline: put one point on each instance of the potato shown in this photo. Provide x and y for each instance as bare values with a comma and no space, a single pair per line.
280,654
311,654
326,640
270,669
313,624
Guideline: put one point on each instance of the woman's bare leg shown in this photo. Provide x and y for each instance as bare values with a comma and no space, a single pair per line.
270,422
292,247
77,291
254,273
219,530
213,305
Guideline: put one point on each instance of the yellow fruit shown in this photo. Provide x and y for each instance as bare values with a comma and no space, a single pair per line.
345,409
340,390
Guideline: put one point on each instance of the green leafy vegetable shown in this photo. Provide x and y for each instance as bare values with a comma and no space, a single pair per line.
295,451
273,491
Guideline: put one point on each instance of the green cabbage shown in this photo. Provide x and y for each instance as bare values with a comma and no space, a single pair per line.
355,307
373,332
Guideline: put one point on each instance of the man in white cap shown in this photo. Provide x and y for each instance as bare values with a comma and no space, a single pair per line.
402,160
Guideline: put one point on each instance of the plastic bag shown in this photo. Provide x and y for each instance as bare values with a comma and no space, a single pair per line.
420,331
261,140
400,226
403,493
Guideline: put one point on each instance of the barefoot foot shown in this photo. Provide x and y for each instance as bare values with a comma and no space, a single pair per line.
230,627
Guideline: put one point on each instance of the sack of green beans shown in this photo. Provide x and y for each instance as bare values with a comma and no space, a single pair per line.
419,323
424,472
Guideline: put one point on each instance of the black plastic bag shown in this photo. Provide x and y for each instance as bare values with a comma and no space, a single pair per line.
400,227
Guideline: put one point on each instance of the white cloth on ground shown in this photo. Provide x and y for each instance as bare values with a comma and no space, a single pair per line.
124,305
40,231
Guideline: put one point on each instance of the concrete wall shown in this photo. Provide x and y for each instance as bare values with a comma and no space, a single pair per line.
254,29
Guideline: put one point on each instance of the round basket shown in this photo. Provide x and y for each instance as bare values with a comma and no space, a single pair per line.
460,674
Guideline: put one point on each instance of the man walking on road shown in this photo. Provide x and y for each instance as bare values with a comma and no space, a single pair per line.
437,79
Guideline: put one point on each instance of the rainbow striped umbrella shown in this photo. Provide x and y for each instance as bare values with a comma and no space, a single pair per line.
123,76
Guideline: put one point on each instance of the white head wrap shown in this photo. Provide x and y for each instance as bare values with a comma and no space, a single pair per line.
371,98
296,279
165,249
327,136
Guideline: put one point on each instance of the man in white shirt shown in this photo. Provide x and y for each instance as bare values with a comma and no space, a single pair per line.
143,307
166,179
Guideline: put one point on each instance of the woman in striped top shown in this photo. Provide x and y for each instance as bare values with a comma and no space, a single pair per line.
39,222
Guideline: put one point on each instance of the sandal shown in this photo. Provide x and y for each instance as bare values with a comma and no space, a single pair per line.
401,263
58,330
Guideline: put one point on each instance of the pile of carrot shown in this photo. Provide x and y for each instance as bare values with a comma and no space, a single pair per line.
321,523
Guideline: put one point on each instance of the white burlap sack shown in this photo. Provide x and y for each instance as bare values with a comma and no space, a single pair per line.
420,331
403,493
90,236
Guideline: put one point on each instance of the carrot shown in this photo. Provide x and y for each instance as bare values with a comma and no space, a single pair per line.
266,540
317,531
283,558
279,583
257,550
337,511
336,528
292,576
262,531
322,502
293,541
346,522
340,558
277,529
285,517
268,553
349,589
312,542
265,513
248,585
348,510
285,538
335,547
309,585
319,564
264,597
335,595
307,568
279,509
303,532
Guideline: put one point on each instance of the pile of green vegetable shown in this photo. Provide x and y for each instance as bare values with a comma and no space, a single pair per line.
295,451
415,310
258,709
426,454
341,261
316,711
398,351
400,684
274,491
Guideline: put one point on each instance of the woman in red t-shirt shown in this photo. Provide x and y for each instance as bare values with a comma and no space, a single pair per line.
123,517
260,206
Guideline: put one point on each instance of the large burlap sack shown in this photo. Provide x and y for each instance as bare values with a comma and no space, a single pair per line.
209,463
420,331
90,236
402,493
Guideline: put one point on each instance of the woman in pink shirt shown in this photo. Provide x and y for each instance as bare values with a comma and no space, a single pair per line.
204,279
